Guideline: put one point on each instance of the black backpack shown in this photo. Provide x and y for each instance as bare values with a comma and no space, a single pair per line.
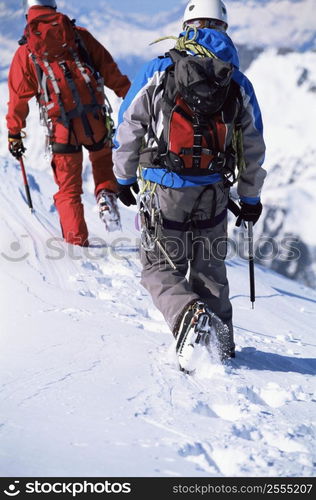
199,99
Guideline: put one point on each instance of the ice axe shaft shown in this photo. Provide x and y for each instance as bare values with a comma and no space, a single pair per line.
234,208
26,185
251,265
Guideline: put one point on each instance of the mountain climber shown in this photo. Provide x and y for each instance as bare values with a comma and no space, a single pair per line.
66,68
187,119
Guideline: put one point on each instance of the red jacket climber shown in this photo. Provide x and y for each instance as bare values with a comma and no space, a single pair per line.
70,82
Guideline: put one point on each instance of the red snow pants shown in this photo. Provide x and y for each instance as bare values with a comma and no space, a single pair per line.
67,168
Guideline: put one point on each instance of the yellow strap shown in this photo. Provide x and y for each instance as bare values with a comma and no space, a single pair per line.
146,185
164,38
149,186
154,187
184,43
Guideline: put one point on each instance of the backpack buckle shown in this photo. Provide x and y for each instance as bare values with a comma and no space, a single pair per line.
196,151
218,163
220,159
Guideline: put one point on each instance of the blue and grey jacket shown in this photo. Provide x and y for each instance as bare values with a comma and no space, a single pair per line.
143,102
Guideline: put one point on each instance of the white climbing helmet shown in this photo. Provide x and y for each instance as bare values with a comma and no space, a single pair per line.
27,4
206,9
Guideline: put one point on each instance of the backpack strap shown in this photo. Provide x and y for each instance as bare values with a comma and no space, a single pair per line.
81,109
64,117
42,82
85,56
197,143
237,141
176,54
94,103
22,40
154,154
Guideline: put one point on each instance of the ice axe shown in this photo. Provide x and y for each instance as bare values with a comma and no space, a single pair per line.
26,185
234,208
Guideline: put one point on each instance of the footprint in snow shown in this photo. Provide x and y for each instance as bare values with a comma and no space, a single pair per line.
274,396
203,409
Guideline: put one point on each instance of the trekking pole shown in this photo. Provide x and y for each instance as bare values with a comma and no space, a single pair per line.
251,265
234,208
26,186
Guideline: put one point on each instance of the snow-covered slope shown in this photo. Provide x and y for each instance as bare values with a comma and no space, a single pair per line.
284,80
88,379
89,382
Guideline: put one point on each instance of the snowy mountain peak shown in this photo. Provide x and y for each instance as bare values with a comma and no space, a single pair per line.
253,23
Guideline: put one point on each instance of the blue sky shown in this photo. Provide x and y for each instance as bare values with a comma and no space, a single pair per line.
144,6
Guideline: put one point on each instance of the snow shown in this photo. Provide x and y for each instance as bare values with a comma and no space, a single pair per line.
89,383
285,87
89,380
285,113
283,23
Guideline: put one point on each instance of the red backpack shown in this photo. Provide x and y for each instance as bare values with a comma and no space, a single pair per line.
199,100
69,85
51,37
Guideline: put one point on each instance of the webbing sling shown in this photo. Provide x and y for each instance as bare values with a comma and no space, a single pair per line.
213,221
60,148
56,88
194,224
203,224
197,143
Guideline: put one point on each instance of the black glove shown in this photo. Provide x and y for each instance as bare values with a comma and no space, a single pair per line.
16,146
125,194
249,213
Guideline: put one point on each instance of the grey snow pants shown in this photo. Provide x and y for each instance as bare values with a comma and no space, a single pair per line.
198,253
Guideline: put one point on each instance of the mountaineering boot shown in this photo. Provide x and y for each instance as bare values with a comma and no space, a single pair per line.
198,329
108,210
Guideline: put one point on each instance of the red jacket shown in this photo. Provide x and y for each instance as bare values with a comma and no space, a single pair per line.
23,84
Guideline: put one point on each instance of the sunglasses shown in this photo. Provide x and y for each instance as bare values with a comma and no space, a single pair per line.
208,23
